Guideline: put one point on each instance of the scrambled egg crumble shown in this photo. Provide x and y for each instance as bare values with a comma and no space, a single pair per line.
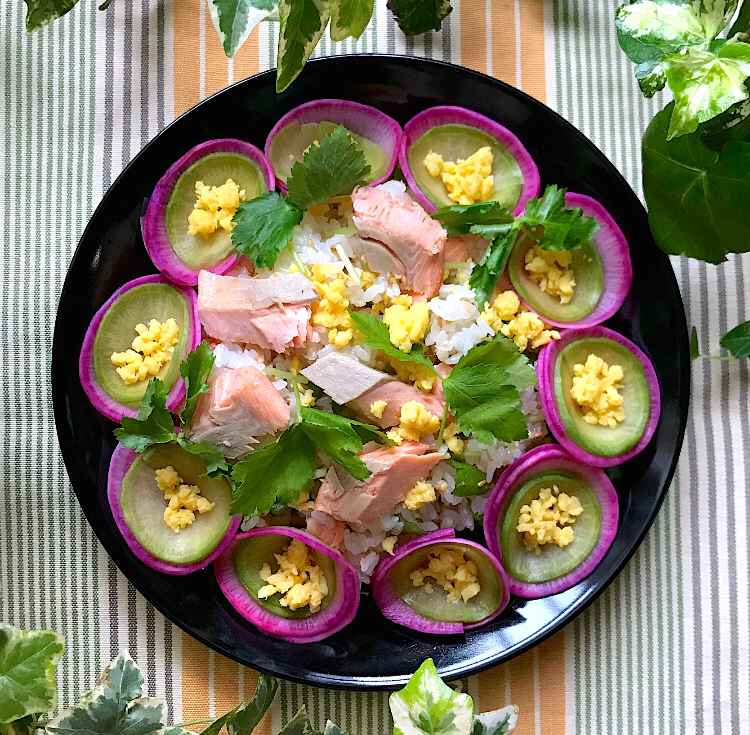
421,494
412,372
467,181
550,270
452,440
407,324
389,544
184,500
595,389
414,421
303,503
214,208
331,310
450,569
307,397
377,408
298,579
506,316
548,519
150,351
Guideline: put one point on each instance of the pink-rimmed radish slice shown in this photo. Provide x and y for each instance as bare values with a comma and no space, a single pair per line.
177,254
601,267
457,133
238,574
413,607
555,568
600,446
377,135
138,508
113,329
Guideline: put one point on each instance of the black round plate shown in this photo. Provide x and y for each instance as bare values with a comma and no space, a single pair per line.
371,653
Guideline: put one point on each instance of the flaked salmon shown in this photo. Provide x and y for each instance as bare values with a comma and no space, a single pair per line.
331,535
396,394
459,248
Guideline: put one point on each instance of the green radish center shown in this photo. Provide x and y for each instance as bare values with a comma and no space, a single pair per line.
144,505
550,526
265,565
448,583
116,333
459,142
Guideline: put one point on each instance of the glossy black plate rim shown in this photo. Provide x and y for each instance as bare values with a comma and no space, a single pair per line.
493,657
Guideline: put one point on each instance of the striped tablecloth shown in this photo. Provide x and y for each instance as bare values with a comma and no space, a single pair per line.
664,651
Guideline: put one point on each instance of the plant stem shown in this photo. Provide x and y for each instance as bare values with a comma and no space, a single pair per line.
440,432
298,261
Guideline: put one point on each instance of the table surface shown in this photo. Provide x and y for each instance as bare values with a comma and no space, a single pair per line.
665,650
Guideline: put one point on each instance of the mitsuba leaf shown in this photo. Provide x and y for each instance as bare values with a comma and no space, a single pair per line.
427,706
333,167
553,225
737,340
278,472
504,353
154,425
349,18
216,463
485,274
458,219
302,23
469,480
498,722
234,20
114,706
698,199
195,369
41,12
28,659
248,718
377,336
263,227
419,16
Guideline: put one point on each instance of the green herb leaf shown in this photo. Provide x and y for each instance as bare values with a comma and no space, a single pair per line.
248,718
504,353
277,473
335,436
458,219
298,725
427,706
497,722
41,12
331,168
695,351
349,18
114,706
378,337
469,480
195,369
154,425
411,526
263,227
698,199
485,274
216,463
28,659
302,23
234,20
737,340
419,16
705,83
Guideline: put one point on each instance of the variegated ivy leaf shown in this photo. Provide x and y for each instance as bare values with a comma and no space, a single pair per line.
350,18
705,83
177,731
25,726
28,659
300,723
234,20
651,76
114,706
332,729
41,12
302,23
498,722
427,706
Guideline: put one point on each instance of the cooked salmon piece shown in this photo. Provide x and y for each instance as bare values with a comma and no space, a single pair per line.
241,406
459,248
270,313
396,394
407,231
395,470
380,259
343,377
332,535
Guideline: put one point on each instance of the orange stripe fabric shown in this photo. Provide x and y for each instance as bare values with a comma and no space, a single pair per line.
226,684
474,35
217,64
195,681
247,59
552,684
533,72
187,61
522,692
504,40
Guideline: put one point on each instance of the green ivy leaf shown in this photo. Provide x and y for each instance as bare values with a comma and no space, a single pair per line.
737,340
498,722
302,23
25,726
234,20
695,351
332,729
419,16
41,12
248,718
218,724
28,659
298,725
349,18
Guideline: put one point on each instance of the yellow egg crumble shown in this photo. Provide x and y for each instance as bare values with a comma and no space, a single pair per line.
377,408
331,310
451,570
407,324
452,439
303,502
214,208
412,372
548,519
298,579
150,351
389,544
596,390
506,316
414,421
550,270
467,180
184,500
307,397
421,494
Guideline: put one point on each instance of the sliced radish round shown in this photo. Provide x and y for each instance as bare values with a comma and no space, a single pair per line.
112,330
